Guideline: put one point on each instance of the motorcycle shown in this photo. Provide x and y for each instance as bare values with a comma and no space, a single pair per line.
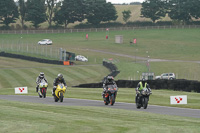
42,89
142,99
59,92
111,94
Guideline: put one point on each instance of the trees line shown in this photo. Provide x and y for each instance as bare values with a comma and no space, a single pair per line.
63,12
182,11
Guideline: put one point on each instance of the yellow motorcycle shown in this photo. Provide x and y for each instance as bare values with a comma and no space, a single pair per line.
59,92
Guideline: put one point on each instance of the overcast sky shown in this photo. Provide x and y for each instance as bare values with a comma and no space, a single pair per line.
123,1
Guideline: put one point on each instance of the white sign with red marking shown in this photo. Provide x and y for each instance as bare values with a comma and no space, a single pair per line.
21,90
178,99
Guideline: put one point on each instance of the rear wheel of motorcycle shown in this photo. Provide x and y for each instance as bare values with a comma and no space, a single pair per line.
112,100
61,97
145,102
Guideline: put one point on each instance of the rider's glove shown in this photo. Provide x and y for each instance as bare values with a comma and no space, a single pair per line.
137,92
66,87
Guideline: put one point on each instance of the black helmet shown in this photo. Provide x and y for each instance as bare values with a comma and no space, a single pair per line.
110,78
41,75
143,80
60,76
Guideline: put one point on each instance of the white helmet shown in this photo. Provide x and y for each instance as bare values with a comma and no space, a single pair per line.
41,75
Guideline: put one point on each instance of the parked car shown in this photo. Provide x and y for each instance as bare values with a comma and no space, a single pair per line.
169,76
81,58
45,42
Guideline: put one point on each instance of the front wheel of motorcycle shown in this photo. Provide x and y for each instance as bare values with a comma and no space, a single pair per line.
44,93
61,97
145,104
112,100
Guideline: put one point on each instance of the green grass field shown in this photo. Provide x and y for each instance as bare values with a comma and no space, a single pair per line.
179,44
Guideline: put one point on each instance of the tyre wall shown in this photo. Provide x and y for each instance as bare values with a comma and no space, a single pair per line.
40,60
112,68
176,85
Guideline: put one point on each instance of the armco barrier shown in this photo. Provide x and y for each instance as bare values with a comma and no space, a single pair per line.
30,58
176,85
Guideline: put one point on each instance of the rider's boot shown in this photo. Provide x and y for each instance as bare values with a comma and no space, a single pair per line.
103,96
53,93
40,94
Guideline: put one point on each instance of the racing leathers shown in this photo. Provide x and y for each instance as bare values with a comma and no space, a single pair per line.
38,81
140,86
107,82
56,82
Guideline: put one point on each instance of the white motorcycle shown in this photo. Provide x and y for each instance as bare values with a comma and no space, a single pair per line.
42,88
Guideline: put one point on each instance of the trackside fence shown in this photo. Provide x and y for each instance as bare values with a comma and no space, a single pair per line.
96,29
41,51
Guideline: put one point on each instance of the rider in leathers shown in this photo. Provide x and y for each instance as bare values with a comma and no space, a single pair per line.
58,80
142,84
109,80
39,79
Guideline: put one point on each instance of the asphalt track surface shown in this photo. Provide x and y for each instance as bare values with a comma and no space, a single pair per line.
174,111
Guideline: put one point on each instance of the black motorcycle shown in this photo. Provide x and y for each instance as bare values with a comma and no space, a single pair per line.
111,94
142,98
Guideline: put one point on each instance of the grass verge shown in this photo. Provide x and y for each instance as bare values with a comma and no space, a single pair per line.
30,117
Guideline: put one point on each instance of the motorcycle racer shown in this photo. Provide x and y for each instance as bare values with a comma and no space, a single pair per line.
142,84
39,79
109,80
58,80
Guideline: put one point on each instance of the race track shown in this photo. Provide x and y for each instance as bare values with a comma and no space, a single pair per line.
195,113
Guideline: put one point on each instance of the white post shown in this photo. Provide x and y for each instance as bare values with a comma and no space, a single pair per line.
51,52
